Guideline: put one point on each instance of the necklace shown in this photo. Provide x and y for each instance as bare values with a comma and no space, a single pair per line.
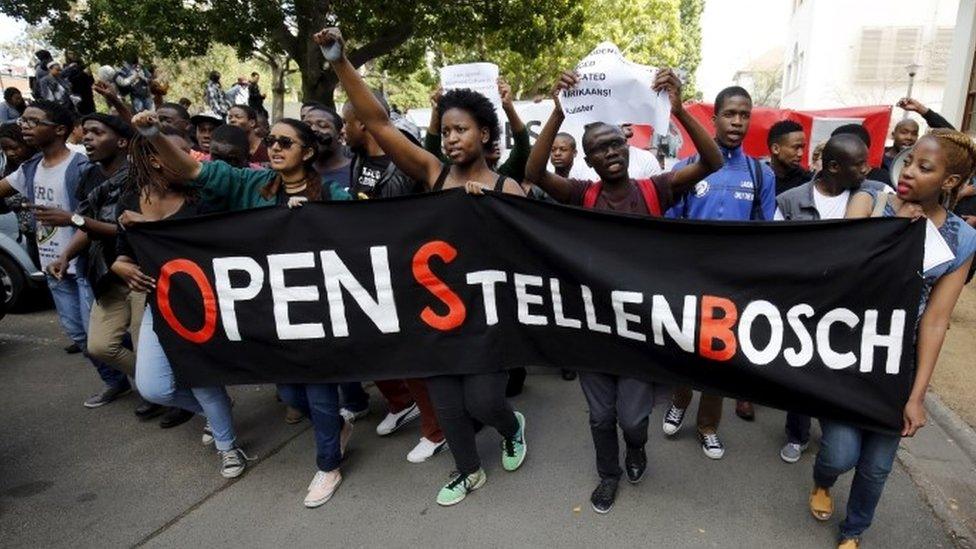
293,190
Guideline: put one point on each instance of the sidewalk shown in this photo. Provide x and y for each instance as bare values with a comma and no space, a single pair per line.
100,478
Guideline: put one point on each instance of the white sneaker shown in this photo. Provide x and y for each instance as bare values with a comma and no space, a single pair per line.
712,445
425,450
351,416
392,422
344,435
207,437
322,487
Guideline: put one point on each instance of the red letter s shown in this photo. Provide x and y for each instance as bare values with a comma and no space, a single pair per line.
456,311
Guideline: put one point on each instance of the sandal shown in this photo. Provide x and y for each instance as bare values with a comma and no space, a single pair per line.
821,504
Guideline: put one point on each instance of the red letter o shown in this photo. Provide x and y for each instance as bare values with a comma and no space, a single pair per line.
186,266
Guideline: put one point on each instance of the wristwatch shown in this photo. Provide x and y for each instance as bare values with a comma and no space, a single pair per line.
78,221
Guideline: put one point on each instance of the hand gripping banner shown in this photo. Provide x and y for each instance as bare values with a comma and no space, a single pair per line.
818,318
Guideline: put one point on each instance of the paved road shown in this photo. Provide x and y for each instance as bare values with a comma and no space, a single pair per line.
100,478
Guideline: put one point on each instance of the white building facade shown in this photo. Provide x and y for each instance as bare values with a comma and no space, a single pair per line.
844,53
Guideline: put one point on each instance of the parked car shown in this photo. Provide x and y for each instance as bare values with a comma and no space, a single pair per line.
20,274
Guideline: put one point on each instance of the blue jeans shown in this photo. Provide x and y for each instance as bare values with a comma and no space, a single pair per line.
73,300
320,402
844,447
354,397
140,104
154,378
797,428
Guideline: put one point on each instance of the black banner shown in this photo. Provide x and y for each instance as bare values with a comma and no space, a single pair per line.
818,318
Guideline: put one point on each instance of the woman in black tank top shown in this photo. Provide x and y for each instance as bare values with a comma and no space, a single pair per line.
469,128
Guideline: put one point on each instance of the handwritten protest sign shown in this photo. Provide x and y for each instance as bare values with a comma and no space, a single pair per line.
614,90
479,77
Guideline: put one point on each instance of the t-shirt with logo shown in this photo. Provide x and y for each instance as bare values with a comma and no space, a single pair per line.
50,189
373,169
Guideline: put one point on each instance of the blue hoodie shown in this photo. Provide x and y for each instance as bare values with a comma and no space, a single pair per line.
727,194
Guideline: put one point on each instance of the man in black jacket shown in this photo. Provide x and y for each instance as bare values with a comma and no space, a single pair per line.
373,173
786,142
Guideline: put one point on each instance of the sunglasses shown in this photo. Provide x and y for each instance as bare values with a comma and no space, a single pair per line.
284,142
31,123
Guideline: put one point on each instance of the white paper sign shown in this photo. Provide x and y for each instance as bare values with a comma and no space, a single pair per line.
937,250
616,91
479,77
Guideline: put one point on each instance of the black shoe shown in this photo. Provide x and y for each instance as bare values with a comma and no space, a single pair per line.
175,417
569,375
149,410
636,464
72,349
604,496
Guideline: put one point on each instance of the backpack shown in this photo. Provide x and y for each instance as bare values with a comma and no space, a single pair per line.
646,187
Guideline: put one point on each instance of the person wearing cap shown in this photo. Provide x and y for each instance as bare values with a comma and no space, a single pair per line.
205,123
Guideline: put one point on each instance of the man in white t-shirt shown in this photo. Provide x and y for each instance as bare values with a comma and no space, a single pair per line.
643,164
845,162
50,182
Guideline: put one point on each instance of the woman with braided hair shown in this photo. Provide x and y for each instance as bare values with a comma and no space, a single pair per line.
156,193
938,166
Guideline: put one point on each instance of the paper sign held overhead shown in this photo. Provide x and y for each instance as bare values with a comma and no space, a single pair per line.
616,91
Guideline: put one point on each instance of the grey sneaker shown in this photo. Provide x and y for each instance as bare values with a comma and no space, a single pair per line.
232,462
792,451
107,395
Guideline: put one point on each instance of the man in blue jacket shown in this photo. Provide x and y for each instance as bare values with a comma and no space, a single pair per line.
744,189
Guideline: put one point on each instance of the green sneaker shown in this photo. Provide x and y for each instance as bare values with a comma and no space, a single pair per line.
513,449
460,486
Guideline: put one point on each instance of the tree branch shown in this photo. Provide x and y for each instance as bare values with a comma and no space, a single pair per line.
380,46
285,39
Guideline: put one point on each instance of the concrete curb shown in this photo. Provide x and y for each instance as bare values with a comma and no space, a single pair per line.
962,434
959,532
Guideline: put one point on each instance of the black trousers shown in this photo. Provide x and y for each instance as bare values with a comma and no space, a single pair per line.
460,401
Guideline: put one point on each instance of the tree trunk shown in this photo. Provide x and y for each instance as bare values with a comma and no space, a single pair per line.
278,91
318,82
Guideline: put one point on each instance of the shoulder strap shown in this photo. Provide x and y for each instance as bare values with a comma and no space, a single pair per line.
880,201
756,174
649,192
439,184
500,183
30,169
592,192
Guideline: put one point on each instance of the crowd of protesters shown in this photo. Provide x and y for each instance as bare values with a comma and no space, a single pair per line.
152,160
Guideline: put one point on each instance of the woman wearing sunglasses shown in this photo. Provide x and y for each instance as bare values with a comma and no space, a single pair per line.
292,180
469,129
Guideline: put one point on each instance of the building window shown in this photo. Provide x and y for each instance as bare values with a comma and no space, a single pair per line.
936,64
884,52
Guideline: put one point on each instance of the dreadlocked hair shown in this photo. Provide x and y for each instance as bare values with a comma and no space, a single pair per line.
960,153
146,179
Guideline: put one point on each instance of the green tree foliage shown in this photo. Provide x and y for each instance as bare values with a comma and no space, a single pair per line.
108,30
652,32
